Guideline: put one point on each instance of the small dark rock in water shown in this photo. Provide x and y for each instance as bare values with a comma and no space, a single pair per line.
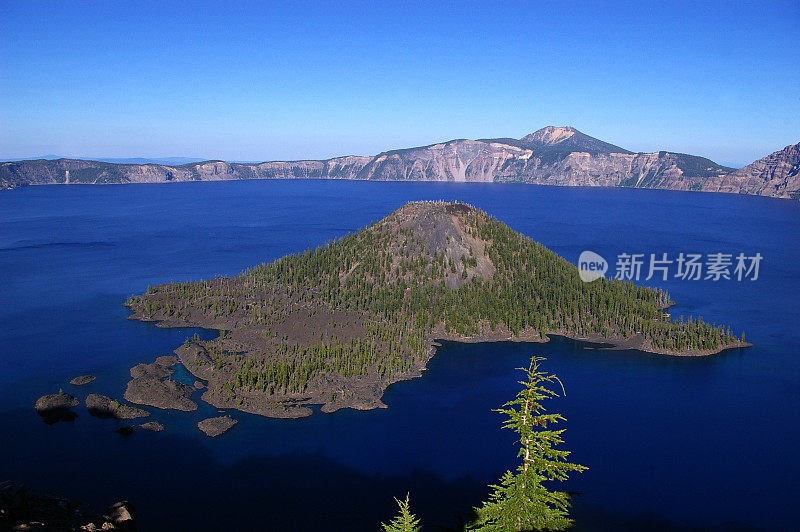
153,426
56,407
82,380
127,430
55,401
105,407
214,426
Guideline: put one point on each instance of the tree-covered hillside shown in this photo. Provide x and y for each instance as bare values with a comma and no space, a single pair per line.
337,324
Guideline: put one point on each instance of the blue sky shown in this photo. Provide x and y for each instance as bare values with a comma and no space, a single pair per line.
288,80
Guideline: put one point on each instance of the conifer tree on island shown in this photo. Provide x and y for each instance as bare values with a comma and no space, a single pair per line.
521,501
405,521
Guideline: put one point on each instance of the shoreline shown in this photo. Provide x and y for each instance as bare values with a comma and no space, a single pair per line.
295,406
634,343
362,180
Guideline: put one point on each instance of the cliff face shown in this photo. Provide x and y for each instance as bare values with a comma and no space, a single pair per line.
457,160
551,156
776,175
72,171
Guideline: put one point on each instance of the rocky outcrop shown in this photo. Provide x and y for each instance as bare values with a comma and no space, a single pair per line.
550,156
21,509
151,386
120,514
159,369
154,392
152,426
214,426
56,407
104,407
54,402
83,380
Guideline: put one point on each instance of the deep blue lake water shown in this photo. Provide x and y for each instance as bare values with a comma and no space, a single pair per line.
672,443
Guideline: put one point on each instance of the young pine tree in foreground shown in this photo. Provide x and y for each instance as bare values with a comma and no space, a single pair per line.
405,521
521,501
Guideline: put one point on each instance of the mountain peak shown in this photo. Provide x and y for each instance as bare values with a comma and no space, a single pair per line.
565,139
550,135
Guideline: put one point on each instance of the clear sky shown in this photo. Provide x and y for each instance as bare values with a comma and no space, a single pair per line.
288,80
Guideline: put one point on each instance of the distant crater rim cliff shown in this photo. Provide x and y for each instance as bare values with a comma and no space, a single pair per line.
553,155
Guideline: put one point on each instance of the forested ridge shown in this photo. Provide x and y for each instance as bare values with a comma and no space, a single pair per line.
339,323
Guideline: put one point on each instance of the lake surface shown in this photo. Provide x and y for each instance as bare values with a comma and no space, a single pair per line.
671,443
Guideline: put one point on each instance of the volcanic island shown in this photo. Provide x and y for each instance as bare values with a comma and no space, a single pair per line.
336,325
